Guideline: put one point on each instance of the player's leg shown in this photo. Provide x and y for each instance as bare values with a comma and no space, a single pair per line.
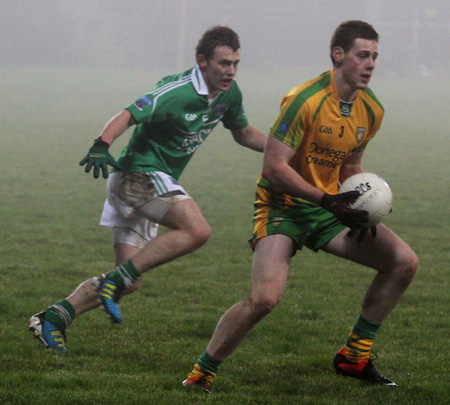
395,262
124,252
136,204
270,269
189,231
157,198
269,274
86,296
173,208
129,236
396,265
49,326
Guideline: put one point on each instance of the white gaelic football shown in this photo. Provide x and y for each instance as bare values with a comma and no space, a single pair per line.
375,196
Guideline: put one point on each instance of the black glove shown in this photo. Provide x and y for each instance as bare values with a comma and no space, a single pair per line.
362,232
338,205
99,157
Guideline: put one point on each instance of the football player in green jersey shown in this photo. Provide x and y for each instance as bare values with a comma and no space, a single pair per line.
171,122
318,141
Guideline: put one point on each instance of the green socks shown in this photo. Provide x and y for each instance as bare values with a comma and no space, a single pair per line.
124,275
206,362
60,314
366,328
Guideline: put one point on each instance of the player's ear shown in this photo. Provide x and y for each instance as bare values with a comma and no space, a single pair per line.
201,61
337,53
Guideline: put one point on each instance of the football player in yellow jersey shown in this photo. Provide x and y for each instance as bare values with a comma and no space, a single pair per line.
317,141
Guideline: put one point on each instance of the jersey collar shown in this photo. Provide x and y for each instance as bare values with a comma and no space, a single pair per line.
198,82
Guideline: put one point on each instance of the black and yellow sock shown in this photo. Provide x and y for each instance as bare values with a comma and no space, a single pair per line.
124,275
360,341
206,362
60,314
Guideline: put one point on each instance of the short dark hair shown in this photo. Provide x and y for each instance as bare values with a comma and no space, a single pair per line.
217,36
348,31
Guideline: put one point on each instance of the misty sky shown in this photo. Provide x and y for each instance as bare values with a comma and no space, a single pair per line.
162,34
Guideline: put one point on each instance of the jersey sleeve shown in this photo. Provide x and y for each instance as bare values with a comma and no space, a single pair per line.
142,109
235,118
291,122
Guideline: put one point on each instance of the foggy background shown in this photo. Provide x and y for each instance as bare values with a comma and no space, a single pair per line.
67,66
162,34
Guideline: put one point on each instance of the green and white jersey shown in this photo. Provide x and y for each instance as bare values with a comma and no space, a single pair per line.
173,120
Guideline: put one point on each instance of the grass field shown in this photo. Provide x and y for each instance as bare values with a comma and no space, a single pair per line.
51,242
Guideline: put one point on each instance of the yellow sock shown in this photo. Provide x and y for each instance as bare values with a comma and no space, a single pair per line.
360,341
357,348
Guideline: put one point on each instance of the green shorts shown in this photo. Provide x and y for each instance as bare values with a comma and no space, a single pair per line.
306,224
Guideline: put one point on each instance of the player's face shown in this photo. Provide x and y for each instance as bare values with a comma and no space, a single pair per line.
220,70
358,63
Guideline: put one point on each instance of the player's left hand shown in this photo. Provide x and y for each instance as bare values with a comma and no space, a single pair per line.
363,232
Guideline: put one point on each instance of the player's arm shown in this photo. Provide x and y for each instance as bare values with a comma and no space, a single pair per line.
98,156
116,126
277,171
351,165
250,137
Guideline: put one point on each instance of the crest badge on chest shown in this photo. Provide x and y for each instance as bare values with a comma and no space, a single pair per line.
345,109
360,132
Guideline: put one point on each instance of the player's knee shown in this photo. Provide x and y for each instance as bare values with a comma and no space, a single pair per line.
412,265
200,235
407,267
264,306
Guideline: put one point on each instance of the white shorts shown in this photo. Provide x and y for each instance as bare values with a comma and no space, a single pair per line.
136,204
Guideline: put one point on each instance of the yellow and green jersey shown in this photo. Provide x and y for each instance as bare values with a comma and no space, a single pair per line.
174,119
323,130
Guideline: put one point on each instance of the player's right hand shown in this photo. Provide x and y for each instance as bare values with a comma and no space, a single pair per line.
338,205
99,158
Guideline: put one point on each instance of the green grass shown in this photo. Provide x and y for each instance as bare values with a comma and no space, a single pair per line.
51,242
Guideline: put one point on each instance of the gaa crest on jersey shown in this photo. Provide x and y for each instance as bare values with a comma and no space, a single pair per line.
345,109
360,132
220,109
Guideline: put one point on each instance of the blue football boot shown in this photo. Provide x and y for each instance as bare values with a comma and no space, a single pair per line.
109,297
48,334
